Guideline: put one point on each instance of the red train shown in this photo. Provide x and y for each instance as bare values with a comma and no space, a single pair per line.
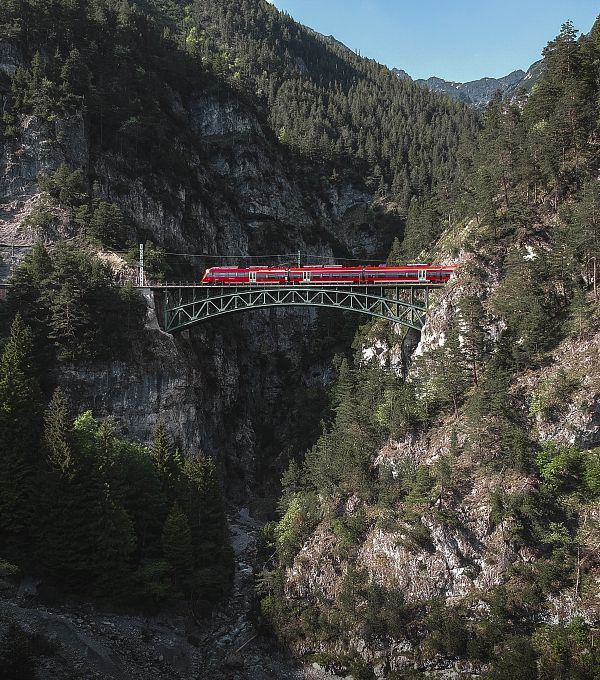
411,273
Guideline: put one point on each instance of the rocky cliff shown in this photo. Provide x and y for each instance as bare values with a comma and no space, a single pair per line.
467,542
213,388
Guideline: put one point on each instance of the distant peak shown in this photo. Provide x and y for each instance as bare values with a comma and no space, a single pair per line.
479,93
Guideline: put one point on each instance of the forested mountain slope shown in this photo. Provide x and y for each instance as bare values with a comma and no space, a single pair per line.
445,524
184,126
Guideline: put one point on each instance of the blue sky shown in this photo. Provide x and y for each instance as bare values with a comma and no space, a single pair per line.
454,39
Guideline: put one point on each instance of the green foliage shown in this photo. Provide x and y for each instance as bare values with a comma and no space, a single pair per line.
567,470
168,462
515,658
553,395
116,545
213,555
8,570
330,105
104,222
71,299
531,184
65,185
151,584
41,218
110,61
447,631
296,524
156,267
566,651
19,429
400,410
349,529
582,314
526,307
177,543
33,91
91,514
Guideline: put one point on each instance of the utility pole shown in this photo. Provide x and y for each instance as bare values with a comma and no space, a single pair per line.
299,265
142,277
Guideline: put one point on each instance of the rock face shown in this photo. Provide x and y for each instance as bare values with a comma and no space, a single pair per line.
219,386
463,548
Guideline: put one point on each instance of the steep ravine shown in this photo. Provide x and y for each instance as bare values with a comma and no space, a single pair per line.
233,388
245,195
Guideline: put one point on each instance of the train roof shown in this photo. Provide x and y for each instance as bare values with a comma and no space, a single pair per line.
333,266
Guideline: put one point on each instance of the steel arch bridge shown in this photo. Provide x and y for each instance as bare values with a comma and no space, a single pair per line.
184,305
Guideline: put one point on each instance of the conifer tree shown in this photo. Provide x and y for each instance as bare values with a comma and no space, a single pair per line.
168,462
177,543
19,431
204,506
58,435
70,522
474,347
116,544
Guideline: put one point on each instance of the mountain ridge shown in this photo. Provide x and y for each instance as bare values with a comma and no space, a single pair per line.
479,92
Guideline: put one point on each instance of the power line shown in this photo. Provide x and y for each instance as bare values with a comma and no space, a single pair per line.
238,257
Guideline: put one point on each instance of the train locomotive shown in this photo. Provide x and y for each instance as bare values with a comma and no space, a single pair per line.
324,274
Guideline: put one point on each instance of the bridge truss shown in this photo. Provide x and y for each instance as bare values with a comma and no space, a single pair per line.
188,304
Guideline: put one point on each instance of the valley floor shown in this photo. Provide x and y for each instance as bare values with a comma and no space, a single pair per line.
79,641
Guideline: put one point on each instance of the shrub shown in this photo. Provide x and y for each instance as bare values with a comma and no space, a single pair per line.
297,523
8,570
65,185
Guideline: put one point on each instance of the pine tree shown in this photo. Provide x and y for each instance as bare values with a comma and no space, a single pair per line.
213,555
168,462
474,346
204,506
116,544
560,112
69,527
58,435
177,543
19,431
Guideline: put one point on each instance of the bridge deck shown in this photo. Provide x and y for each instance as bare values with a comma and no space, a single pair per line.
313,284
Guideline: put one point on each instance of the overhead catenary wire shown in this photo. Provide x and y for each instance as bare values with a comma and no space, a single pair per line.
272,256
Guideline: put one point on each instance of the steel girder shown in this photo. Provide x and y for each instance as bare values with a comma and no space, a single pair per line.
187,305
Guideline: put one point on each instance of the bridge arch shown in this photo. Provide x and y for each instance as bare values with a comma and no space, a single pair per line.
185,305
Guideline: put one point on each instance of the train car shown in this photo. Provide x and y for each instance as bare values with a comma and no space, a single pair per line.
412,273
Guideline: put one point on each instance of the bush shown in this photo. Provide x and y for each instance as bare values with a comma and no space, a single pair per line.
297,523
553,395
65,185
349,529
103,222
8,570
